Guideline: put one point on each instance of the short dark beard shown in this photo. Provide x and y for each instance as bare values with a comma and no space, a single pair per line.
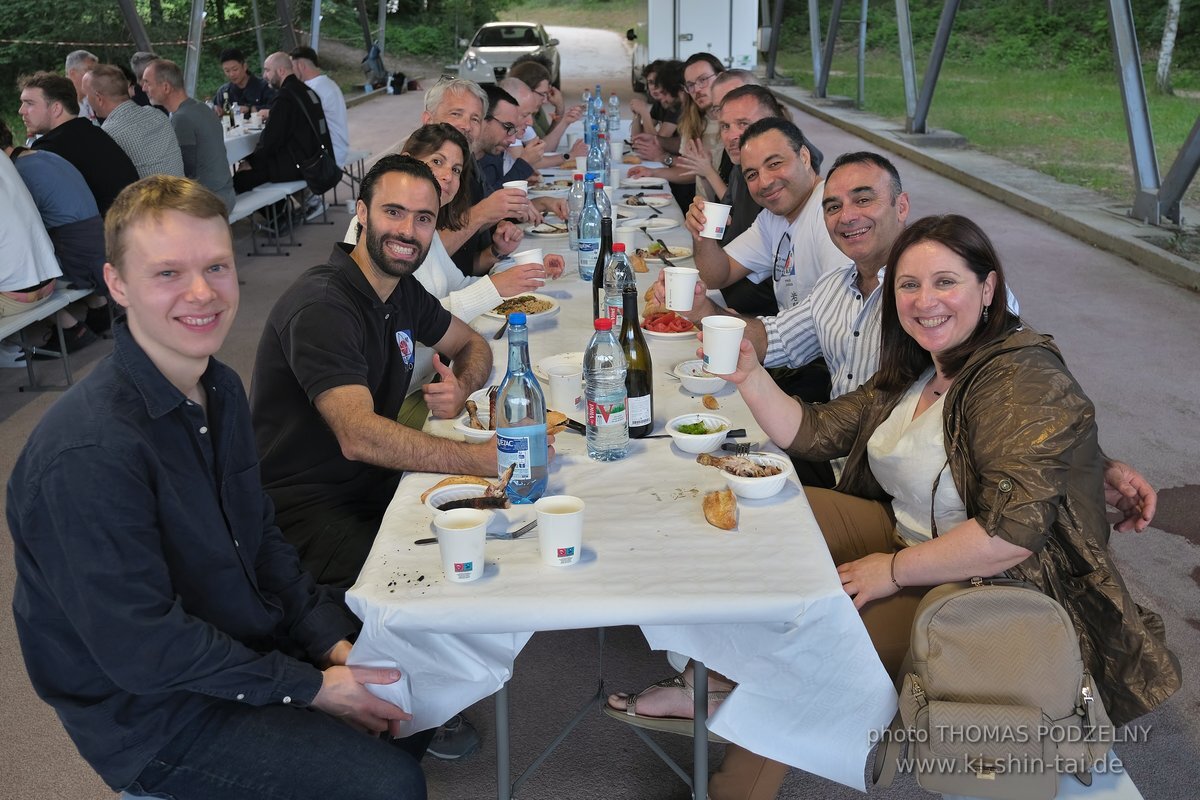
383,262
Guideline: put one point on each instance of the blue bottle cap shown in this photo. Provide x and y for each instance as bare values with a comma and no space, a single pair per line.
516,318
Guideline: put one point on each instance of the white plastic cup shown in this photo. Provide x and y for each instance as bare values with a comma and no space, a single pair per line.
616,151
566,387
611,192
522,185
461,533
531,256
722,340
716,217
560,529
627,237
581,164
681,289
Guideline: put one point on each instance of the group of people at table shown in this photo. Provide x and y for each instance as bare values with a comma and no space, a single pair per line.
98,128
183,611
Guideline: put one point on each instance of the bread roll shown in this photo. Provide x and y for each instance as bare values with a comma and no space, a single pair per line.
720,509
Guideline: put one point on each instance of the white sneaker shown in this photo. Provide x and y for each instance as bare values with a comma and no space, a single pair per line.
313,211
11,356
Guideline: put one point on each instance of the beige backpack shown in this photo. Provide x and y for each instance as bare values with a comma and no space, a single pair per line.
994,699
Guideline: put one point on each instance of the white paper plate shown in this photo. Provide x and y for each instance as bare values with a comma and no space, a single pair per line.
474,434
678,253
541,366
503,519
649,201
550,312
547,232
642,183
656,335
656,224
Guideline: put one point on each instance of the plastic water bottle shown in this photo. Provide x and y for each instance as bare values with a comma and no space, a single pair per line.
614,113
574,207
521,419
589,230
597,163
602,201
618,273
604,388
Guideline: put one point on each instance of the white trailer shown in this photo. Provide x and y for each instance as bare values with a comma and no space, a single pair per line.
679,28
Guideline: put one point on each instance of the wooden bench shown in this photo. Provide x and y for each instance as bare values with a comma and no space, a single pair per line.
17,323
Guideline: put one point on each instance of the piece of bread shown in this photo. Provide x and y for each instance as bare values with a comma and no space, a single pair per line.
556,422
710,402
631,158
720,509
639,263
453,480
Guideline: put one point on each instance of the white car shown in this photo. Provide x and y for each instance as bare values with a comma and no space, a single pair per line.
497,45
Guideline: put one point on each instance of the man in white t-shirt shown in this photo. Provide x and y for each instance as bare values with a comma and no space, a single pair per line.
788,243
307,67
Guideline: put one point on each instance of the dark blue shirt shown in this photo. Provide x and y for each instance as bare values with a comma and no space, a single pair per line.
257,93
152,580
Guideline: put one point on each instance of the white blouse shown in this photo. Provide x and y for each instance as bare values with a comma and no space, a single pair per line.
906,456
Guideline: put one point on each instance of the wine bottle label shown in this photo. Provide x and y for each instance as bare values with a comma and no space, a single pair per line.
518,446
600,415
639,411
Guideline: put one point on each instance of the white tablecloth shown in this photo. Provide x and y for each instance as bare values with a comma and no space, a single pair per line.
240,142
762,605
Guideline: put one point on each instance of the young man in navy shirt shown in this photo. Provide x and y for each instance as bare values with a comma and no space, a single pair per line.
159,609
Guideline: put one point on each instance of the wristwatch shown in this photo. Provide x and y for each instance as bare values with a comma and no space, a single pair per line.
669,160
567,156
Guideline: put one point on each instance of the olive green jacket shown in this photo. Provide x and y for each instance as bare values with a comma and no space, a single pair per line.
1022,446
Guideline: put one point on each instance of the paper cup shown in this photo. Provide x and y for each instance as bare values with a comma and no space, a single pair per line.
681,288
610,191
616,151
716,217
522,185
627,237
560,529
722,339
566,387
581,164
531,256
461,533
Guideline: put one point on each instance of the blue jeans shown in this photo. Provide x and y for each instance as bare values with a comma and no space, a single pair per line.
235,752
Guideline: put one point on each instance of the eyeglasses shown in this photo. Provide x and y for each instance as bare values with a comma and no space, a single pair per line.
699,83
783,257
544,95
509,128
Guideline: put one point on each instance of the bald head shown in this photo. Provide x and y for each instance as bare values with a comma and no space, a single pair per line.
276,69
527,101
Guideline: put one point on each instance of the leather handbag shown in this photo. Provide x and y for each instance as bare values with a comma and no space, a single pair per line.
994,699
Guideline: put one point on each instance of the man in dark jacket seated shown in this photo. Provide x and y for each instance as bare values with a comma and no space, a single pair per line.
288,138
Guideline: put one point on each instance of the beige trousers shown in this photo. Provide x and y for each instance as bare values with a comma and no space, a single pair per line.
852,528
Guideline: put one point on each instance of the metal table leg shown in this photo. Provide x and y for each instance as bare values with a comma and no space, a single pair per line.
700,731
503,779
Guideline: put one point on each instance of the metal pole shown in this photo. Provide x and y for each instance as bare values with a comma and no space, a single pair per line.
314,38
136,28
949,9
258,37
835,19
699,731
814,35
773,47
191,62
382,37
862,55
503,776
1180,175
1137,115
908,65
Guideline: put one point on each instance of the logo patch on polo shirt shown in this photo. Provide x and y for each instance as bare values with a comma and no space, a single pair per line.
405,344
